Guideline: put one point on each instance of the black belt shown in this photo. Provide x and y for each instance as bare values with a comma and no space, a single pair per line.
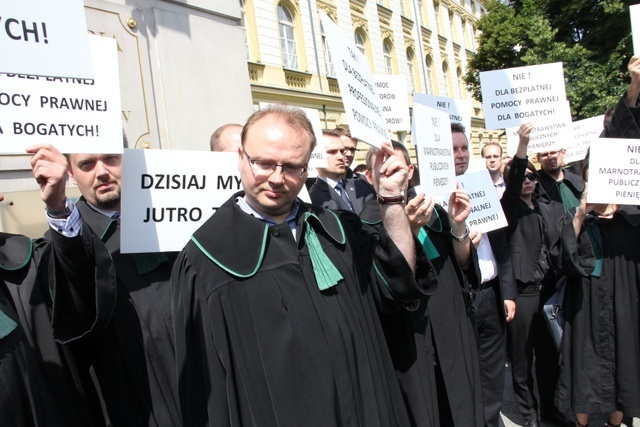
483,287
488,284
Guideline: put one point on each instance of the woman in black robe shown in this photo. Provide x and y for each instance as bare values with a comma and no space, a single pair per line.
600,364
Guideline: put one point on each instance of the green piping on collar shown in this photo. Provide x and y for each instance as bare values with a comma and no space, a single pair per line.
228,270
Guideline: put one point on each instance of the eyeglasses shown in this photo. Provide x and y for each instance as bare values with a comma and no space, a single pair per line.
264,168
548,154
351,150
531,176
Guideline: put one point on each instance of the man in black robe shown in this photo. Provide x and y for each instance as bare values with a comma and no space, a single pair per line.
434,347
37,385
275,317
113,310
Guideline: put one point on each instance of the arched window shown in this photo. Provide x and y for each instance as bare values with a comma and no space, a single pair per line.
360,42
327,54
388,58
412,71
429,76
287,38
461,85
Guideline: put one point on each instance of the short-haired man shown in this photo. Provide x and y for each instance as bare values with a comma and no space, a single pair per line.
493,300
350,148
437,363
492,154
112,309
557,183
226,138
331,190
275,315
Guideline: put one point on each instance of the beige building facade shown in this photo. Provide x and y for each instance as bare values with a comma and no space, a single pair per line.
429,42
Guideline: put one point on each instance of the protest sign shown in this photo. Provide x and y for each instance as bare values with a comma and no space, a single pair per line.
584,132
517,95
551,135
392,90
169,194
362,104
318,157
44,38
614,171
486,211
431,135
459,110
634,12
74,115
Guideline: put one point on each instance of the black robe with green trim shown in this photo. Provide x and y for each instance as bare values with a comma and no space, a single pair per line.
258,344
114,311
438,339
37,376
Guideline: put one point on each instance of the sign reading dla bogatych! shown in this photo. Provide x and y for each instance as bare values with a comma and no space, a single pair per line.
513,96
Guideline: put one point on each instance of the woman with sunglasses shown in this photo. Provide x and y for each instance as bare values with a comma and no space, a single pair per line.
534,242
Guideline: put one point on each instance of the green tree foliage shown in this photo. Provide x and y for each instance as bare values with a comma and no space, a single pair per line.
592,38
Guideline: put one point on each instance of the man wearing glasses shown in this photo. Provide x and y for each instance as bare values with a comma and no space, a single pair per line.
557,183
331,190
275,301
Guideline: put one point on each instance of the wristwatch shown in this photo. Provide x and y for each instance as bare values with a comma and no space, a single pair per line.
59,213
391,199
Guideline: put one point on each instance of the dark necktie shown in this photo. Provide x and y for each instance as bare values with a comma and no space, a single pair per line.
343,194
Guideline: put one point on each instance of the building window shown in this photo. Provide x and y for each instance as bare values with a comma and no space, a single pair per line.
243,26
360,42
388,58
410,67
327,54
461,85
287,38
429,76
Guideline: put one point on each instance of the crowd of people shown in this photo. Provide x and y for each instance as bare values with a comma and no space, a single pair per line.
371,306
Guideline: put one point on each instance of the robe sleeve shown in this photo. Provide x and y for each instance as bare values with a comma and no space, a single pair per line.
392,278
83,285
570,256
624,122
204,370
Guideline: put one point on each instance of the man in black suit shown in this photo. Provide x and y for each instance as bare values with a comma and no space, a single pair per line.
493,300
331,190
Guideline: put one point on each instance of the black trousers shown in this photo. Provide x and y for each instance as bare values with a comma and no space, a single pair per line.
531,340
492,349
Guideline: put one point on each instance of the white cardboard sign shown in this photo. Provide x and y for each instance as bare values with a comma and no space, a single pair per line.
44,38
550,135
634,12
584,132
392,90
486,211
74,115
459,110
168,194
517,95
614,171
431,135
357,87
